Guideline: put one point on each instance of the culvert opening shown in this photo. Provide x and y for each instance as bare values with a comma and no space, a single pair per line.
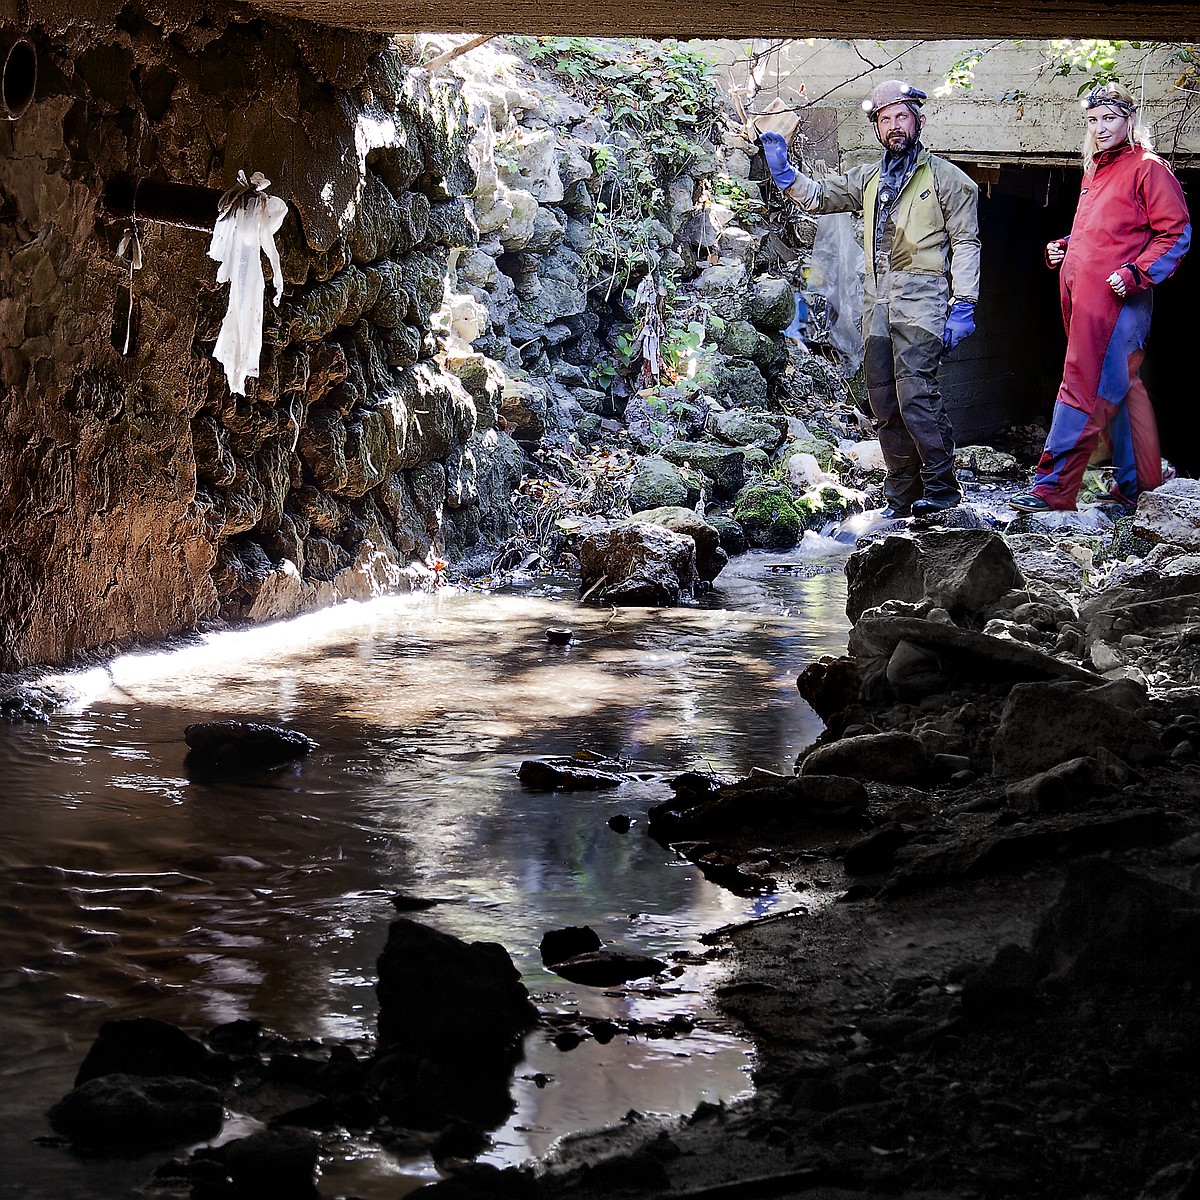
18,77
1009,372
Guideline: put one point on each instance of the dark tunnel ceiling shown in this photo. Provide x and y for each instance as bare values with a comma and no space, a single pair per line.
1132,19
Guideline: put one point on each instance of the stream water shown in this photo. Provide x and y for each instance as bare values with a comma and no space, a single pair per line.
127,890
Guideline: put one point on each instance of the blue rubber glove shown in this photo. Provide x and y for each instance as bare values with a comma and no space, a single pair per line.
775,151
960,323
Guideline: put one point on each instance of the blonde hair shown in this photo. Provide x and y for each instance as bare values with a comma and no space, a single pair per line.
1118,96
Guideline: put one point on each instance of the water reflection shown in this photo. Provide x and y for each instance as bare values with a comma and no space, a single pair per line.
127,890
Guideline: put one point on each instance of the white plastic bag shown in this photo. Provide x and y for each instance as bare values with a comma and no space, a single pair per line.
245,230
836,270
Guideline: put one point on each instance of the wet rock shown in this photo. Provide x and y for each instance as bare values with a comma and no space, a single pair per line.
891,757
732,535
451,1018
542,776
1110,925
274,1164
963,571
830,685
606,968
1045,724
245,745
710,558
703,807
770,516
115,1113
619,823
560,944
145,1046
637,564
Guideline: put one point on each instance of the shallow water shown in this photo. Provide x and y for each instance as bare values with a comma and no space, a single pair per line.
128,890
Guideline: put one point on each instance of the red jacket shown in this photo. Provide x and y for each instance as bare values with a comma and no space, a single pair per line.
1131,218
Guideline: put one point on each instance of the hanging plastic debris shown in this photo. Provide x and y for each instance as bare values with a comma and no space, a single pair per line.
247,221
131,248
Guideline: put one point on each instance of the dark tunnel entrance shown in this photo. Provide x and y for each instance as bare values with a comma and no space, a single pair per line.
1009,372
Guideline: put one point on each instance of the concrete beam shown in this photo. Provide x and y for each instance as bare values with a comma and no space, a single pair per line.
1161,20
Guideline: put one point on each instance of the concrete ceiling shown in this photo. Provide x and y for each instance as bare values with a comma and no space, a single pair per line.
1160,20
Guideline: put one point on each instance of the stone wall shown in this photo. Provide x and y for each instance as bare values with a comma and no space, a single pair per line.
138,497
1017,109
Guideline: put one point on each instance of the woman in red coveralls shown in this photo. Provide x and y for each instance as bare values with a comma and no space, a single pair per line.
1130,231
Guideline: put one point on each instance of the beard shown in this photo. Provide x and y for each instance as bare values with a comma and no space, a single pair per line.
899,142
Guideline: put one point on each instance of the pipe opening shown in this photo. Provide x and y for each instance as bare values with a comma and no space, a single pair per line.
18,76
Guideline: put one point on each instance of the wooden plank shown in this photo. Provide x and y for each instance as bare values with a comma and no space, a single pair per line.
1162,20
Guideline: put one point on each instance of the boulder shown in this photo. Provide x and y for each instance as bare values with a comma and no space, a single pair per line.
704,807
449,998
607,968
145,1046
772,303
1004,993
657,483
560,944
736,427
723,466
963,571
936,654
892,757
541,776
116,1113
452,1016
830,685
273,1164
637,564
1070,784
1045,724
1170,514
1016,847
245,745
770,516
710,557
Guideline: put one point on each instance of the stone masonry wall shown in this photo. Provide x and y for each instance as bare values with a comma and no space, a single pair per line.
138,498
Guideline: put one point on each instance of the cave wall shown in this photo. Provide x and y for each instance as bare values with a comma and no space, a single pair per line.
138,497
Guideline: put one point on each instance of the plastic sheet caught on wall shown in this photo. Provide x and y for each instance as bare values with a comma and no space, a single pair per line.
247,222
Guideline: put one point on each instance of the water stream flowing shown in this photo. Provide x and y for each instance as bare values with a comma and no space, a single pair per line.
129,890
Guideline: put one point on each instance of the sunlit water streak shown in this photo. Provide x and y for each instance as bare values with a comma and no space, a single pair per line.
127,890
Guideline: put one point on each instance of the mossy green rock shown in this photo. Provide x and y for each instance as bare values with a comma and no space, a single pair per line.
732,535
770,516
740,384
740,428
723,466
659,484
757,460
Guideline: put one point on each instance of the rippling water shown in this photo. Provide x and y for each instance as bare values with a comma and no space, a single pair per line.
127,890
